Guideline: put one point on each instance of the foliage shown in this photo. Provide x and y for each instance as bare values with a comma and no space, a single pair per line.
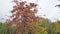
57,27
40,28
3,30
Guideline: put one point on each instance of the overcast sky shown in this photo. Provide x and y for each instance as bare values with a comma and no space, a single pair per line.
47,8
